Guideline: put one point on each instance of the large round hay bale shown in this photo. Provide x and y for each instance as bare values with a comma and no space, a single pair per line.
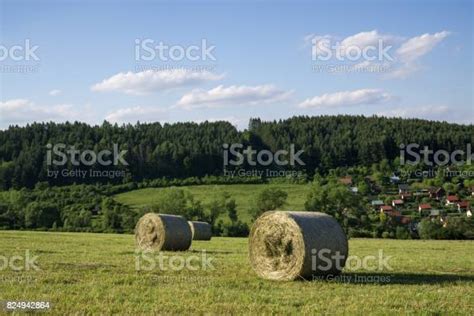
163,232
293,245
200,230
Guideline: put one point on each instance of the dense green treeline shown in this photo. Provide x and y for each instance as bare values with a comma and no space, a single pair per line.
185,150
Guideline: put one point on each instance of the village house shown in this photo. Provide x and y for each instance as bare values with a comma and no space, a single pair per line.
424,207
403,188
347,180
377,203
397,203
436,193
435,213
406,196
389,211
463,206
452,199
394,179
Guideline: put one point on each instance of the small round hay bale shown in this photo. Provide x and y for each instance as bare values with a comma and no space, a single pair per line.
294,245
163,232
200,230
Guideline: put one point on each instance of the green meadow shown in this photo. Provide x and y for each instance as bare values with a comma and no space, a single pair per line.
244,195
81,273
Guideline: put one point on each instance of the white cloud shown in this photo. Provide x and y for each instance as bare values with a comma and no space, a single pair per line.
412,50
232,95
427,112
418,46
137,113
150,81
55,92
361,40
366,39
235,121
402,55
22,111
347,98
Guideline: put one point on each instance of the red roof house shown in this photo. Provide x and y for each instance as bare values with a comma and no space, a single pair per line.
452,199
396,203
405,196
424,207
463,205
346,180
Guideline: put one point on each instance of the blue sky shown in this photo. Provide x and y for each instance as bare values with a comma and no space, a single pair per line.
264,65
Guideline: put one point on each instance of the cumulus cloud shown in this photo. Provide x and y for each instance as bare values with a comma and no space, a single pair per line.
22,111
341,46
347,98
409,53
401,54
55,92
232,95
418,46
149,81
137,113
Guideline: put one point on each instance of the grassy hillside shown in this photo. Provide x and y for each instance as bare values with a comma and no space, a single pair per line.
244,194
96,274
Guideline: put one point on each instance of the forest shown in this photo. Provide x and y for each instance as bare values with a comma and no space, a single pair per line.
185,150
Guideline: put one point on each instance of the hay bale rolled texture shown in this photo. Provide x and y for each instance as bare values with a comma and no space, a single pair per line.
200,230
293,245
163,232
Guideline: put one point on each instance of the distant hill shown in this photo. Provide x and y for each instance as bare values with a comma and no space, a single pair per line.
194,150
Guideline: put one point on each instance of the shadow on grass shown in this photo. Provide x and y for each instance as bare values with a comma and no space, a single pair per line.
396,278
213,251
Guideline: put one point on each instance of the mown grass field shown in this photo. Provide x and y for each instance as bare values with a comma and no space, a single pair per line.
244,195
96,274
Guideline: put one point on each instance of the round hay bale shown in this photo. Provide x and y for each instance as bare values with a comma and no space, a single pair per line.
163,232
294,245
200,230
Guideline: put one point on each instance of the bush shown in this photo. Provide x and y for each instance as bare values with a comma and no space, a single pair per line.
402,233
269,199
